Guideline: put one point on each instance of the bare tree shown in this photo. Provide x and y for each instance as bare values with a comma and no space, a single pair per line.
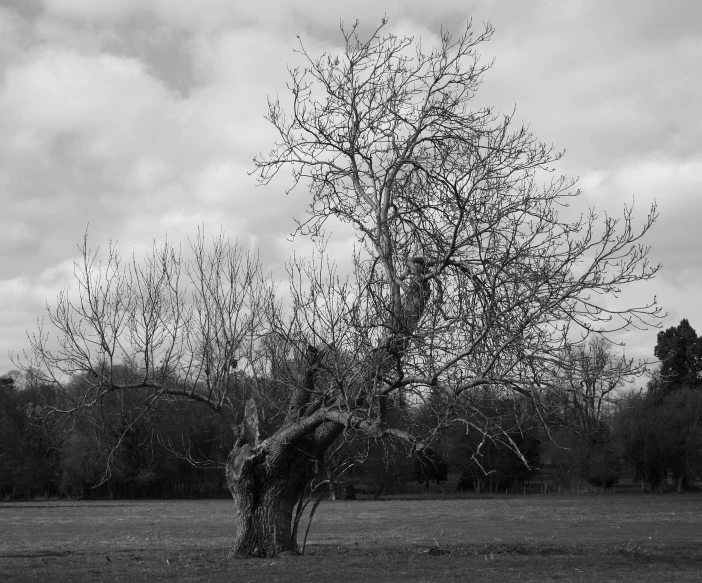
582,404
464,277
590,375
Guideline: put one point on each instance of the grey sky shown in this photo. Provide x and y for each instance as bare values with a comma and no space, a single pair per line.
140,118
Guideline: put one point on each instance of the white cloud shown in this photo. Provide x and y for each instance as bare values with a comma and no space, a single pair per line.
13,30
90,10
24,301
141,117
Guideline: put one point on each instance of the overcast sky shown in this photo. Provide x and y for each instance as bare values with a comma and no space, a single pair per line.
141,117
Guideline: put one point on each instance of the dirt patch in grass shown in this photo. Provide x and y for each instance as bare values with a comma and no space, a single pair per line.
582,538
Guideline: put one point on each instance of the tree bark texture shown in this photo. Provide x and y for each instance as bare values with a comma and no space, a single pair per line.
267,478
265,495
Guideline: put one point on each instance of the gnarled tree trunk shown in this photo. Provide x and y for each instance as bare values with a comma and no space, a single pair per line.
266,492
267,478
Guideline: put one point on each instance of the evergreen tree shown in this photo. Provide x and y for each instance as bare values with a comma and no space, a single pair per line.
680,352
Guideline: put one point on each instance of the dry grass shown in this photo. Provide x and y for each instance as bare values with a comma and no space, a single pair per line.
582,538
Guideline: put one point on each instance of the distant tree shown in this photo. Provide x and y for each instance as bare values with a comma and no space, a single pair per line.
82,466
489,460
491,465
588,379
680,352
29,444
7,381
603,465
429,467
662,435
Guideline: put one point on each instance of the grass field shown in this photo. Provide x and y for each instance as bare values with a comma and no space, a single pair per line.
494,538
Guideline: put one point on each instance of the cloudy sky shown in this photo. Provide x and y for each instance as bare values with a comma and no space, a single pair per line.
141,117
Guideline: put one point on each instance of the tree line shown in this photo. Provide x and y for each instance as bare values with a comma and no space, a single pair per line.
601,432
114,450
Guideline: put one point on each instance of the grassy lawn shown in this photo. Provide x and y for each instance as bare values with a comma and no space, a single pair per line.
600,538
